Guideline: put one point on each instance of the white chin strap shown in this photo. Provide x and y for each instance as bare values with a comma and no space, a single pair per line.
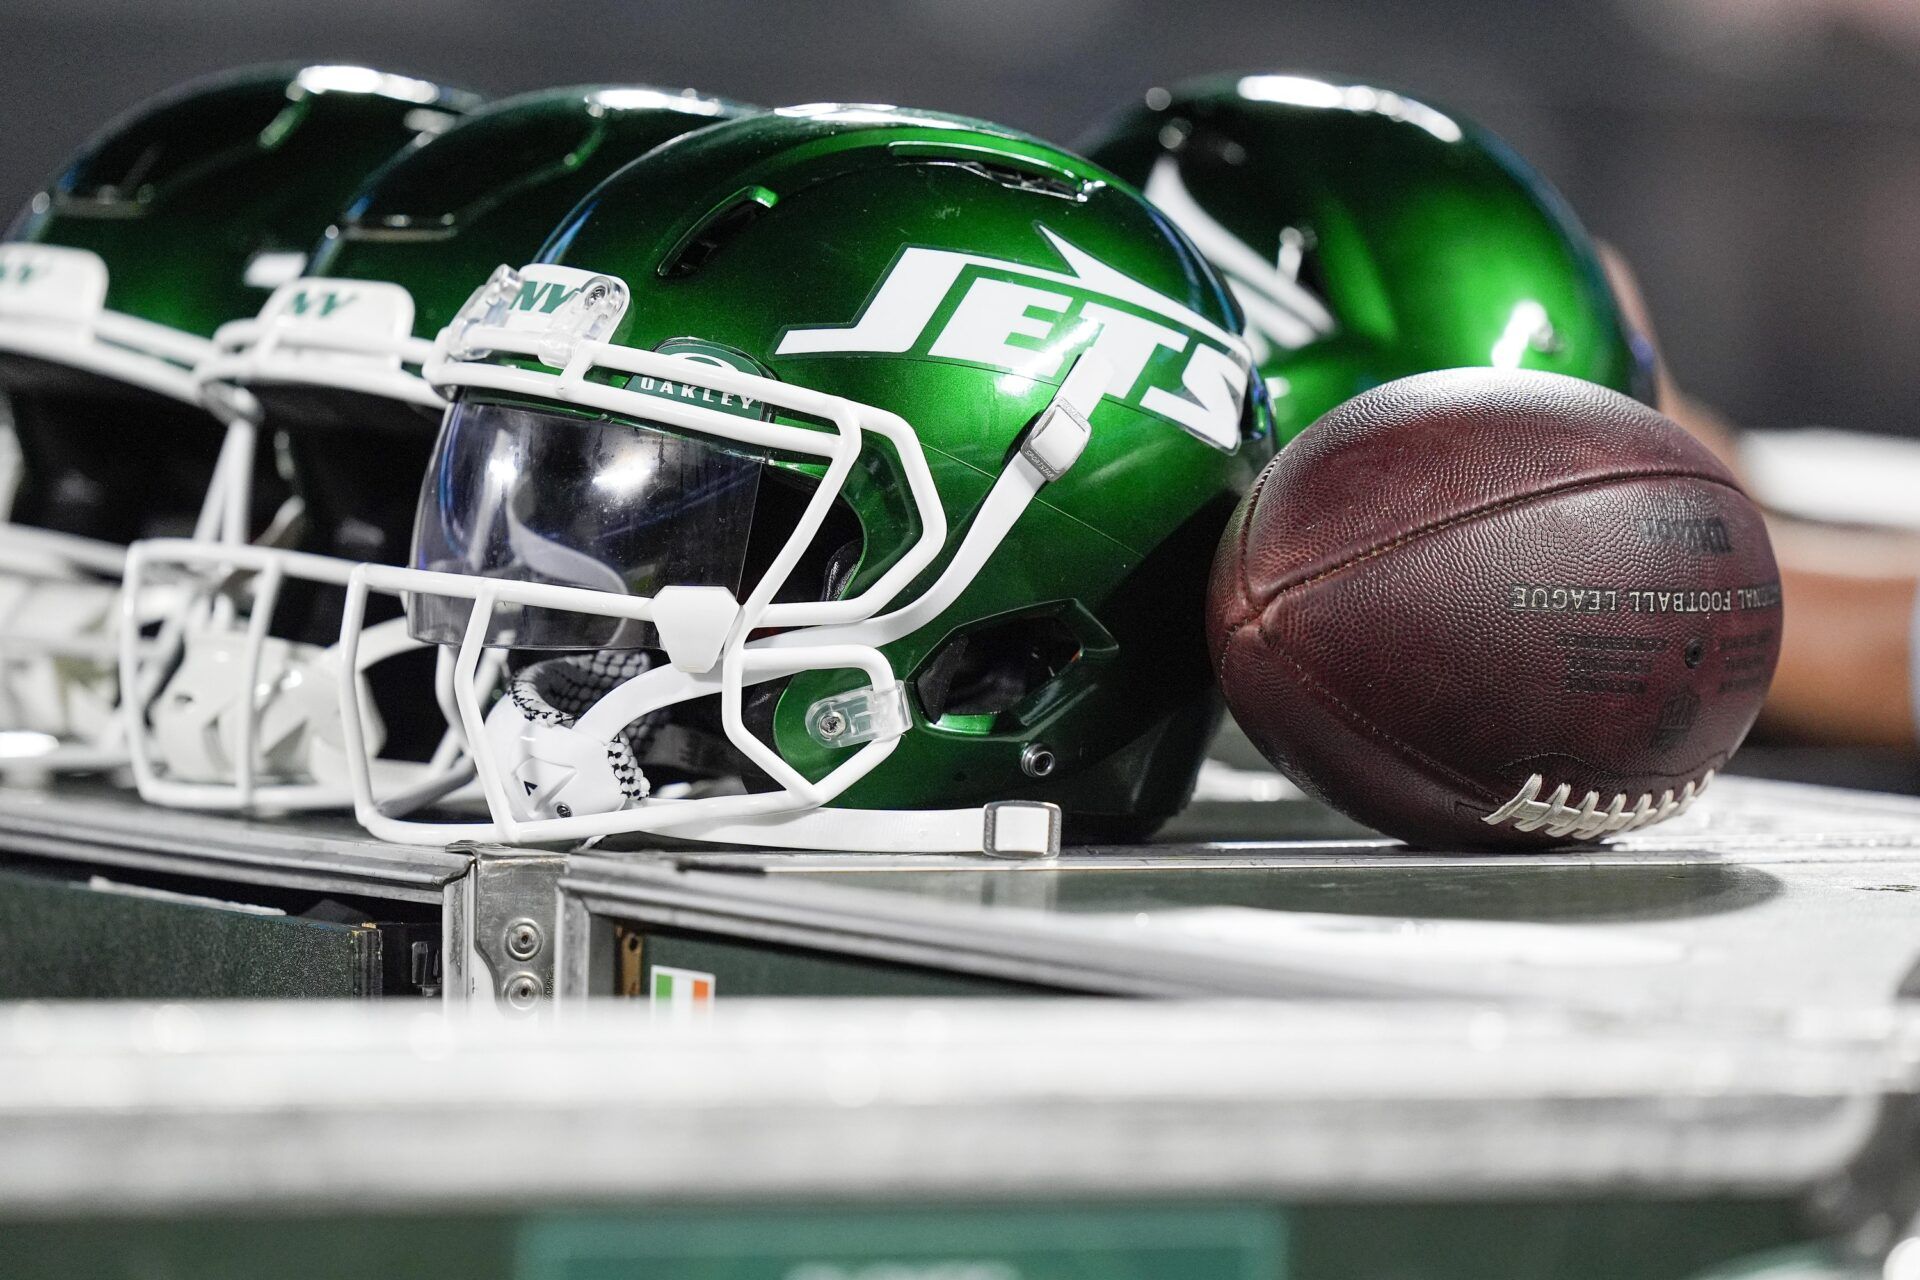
195,718
552,778
225,716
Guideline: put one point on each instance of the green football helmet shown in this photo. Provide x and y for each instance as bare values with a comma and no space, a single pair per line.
180,216
245,714
1369,235
840,477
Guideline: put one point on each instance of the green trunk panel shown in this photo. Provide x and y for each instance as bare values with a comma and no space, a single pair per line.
1166,1244
1523,1240
62,940
745,968
1516,892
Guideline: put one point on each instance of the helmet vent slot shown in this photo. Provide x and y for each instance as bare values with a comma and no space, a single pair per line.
715,231
1021,173
1026,180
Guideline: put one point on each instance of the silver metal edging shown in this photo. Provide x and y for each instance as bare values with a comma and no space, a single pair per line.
1048,951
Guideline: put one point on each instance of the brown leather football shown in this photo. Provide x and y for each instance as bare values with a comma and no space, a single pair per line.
1496,608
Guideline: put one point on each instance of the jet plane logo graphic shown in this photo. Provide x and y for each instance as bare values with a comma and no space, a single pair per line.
1281,312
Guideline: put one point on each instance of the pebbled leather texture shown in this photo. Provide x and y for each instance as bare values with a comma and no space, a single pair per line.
1462,581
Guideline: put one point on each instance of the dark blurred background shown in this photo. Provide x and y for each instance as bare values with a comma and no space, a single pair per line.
1758,160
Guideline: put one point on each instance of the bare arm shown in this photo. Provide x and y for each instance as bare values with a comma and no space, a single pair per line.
1846,654
1847,648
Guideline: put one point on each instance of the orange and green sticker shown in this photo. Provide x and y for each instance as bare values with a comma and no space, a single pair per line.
681,988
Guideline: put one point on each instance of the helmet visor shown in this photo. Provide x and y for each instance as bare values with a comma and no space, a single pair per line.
530,496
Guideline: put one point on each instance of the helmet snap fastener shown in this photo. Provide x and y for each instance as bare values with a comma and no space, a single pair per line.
1038,760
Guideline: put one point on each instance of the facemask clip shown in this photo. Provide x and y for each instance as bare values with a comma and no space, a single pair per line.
859,715
486,308
590,315
694,623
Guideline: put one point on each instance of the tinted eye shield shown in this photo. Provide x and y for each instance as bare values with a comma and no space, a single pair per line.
532,495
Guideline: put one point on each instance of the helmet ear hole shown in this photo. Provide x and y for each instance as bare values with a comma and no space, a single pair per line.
987,671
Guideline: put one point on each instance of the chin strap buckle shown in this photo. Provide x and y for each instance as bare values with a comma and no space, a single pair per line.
1055,442
1061,432
1021,829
